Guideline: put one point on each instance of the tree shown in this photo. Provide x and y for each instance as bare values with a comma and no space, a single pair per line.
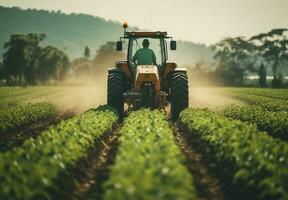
234,55
15,58
87,52
262,76
33,51
2,72
53,64
274,48
20,56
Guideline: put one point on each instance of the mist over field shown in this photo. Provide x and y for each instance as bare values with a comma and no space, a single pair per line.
72,32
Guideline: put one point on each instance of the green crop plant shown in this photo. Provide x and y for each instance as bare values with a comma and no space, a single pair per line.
275,123
253,161
32,170
148,163
267,103
20,116
272,93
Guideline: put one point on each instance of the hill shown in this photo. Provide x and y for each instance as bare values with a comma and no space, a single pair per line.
72,32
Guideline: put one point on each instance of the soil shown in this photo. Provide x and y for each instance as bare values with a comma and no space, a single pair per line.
87,179
208,186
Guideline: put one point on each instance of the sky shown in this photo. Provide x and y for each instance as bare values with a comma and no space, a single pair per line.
202,21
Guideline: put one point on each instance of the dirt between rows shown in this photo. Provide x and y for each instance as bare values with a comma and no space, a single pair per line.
207,186
85,181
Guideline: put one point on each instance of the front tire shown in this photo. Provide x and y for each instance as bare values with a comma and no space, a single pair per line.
179,93
115,92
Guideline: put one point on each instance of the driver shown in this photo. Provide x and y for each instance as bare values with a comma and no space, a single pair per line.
144,56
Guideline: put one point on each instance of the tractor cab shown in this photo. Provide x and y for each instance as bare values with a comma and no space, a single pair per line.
157,43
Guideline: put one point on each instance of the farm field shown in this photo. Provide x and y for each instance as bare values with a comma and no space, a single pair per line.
60,143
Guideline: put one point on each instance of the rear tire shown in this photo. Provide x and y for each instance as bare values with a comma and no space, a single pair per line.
115,92
179,93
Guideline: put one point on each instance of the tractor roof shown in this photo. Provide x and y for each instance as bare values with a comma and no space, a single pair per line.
156,34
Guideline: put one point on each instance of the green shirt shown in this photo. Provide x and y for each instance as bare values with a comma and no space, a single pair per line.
144,56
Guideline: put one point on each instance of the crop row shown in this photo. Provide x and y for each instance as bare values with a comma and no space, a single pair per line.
16,92
30,171
12,91
275,123
21,116
272,93
267,103
20,96
148,163
255,163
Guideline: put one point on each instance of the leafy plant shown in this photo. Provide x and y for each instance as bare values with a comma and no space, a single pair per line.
10,97
253,161
18,117
31,171
267,103
272,93
148,163
275,123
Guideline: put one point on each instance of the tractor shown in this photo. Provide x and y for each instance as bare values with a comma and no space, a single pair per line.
160,85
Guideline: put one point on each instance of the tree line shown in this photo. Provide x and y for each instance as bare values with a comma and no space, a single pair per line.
26,62
63,30
238,57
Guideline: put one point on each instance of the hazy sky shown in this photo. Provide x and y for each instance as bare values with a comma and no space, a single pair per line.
205,21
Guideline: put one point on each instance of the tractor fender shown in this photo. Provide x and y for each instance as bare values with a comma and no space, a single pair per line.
115,70
180,69
168,76
123,65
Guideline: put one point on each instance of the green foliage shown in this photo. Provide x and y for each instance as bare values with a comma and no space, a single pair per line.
31,171
17,59
2,72
275,123
21,116
52,64
255,162
11,97
238,56
262,76
25,58
274,48
148,163
87,52
234,59
272,93
266,103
